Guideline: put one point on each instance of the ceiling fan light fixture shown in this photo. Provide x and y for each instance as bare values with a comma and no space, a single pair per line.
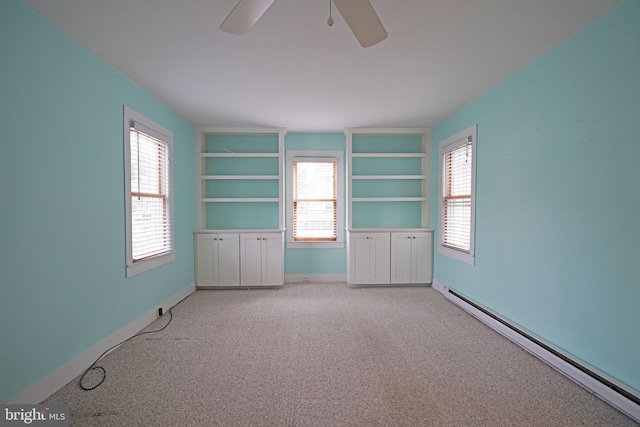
359,15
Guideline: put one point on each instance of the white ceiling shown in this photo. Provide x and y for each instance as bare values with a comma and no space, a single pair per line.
293,70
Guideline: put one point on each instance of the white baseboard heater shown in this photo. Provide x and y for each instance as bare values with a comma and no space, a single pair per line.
607,390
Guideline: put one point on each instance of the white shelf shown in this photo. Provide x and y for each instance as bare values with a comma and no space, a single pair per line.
240,155
388,155
273,177
240,200
388,199
388,177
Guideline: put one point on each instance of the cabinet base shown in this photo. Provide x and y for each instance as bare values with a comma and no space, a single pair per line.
227,288
388,285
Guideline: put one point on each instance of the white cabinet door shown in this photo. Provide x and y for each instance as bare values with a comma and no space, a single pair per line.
421,257
250,259
359,258
271,254
390,257
379,251
411,257
261,259
401,257
228,260
369,258
206,260
217,260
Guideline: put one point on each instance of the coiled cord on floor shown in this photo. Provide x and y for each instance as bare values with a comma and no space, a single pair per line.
104,372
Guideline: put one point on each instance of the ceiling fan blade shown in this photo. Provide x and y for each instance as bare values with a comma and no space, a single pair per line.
245,15
363,21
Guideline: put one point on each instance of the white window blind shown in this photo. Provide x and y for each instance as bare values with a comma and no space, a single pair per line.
314,200
457,170
151,234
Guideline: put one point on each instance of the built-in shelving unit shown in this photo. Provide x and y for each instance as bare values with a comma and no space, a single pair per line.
388,206
240,178
387,177
240,185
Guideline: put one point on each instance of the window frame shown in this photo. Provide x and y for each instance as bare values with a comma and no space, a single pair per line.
315,156
166,136
446,146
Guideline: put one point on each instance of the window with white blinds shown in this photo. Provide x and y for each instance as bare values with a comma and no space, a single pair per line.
148,152
150,221
457,196
456,193
314,200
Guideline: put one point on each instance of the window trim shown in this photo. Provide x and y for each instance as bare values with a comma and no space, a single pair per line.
165,135
298,155
447,145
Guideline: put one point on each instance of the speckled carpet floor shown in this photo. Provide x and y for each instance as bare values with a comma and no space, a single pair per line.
328,355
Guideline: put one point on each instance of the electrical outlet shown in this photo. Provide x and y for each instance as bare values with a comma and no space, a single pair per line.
306,279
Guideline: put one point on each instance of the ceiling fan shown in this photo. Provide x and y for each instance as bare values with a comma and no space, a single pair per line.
358,14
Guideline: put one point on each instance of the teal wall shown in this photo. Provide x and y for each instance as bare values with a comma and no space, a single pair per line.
558,203
62,223
315,261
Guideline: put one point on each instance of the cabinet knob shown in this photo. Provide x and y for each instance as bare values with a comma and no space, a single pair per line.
264,238
258,238
414,237
408,237
215,238
221,238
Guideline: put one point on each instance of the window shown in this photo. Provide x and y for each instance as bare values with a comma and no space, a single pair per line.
314,199
457,196
148,151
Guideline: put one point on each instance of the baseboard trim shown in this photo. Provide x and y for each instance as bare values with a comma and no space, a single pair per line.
439,287
613,393
315,278
44,388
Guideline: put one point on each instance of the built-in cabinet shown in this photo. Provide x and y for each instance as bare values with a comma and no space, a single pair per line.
388,210
248,259
390,257
240,186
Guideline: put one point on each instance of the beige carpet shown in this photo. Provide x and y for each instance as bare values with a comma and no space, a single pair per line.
328,355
